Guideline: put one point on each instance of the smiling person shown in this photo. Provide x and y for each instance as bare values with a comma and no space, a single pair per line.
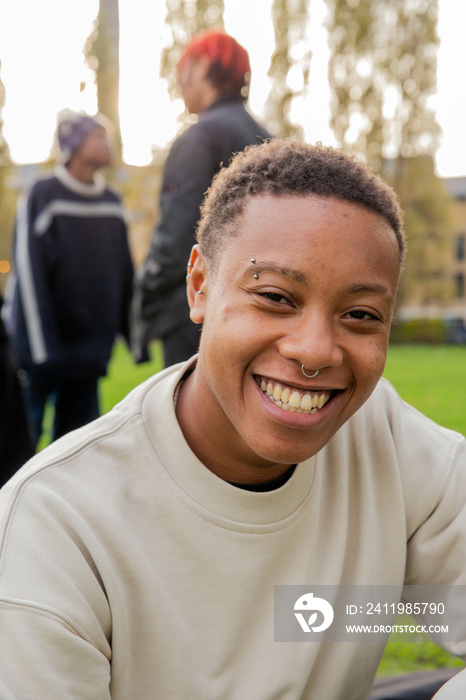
140,553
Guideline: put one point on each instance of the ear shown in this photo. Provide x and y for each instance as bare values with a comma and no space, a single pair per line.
205,64
196,284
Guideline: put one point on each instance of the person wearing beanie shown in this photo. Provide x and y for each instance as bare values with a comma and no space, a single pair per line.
213,76
70,292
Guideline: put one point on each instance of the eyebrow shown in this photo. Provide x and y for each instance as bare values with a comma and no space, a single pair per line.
290,272
301,277
372,288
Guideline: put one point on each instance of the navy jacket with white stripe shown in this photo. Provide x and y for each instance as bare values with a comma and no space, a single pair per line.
71,290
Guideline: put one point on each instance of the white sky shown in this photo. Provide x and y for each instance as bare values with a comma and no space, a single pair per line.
43,66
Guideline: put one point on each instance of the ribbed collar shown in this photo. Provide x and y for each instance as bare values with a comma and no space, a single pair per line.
93,189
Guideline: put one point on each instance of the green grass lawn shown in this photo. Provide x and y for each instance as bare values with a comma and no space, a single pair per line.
431,378
408,653
123,375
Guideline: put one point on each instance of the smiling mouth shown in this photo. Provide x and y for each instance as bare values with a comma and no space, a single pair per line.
294,400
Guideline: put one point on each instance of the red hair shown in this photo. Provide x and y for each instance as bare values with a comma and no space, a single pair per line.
229,61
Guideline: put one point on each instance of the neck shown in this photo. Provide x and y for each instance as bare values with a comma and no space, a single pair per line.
233,462
211,99
210,95
81,171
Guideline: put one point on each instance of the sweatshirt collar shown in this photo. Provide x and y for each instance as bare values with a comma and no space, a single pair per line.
93,189
200,489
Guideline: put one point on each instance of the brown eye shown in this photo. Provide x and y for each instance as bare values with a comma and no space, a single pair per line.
361,315
273,296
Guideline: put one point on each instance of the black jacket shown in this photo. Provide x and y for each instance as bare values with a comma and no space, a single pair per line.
194,158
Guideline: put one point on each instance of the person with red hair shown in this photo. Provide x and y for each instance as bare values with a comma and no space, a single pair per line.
213,76
228,63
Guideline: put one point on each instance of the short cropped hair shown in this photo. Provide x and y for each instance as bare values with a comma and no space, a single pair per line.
291,168
229,69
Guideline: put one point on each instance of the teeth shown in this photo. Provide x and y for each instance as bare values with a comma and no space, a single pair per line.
306,402
289,400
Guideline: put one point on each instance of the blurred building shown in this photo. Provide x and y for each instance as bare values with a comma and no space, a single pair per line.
457,188
451,309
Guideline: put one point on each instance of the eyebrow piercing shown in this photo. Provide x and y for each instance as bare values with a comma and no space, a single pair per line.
255,275
309,376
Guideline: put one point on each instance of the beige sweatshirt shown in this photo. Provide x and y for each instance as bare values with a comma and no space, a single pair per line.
129,571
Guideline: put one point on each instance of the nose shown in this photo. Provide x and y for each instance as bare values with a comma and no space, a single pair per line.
313,341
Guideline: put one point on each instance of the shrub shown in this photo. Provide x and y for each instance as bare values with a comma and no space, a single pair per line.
431,331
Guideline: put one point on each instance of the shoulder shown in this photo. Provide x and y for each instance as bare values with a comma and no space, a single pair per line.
232,114
187,138
400,454
110,201
411,433
403,417
425,457
46,186
191,151
112,194
224,115
92,462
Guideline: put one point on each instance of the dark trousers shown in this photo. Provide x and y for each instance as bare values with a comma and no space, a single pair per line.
75,401
181,344
16,443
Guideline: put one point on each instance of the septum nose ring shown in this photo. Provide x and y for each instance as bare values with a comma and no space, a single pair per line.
309,376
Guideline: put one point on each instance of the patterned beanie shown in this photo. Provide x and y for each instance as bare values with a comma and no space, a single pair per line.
73,131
